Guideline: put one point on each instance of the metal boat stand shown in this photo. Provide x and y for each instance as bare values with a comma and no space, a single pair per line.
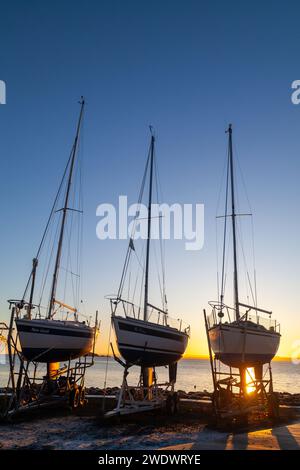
33,385
241,394
139,399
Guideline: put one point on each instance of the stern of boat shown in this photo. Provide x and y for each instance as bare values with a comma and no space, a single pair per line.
156,342
251,340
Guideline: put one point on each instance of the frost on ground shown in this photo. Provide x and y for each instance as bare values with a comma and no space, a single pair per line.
74,432
82,432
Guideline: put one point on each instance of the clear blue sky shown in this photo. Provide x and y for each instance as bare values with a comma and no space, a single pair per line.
187,67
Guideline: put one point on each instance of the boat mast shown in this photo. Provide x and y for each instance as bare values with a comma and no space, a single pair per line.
64,211
149,227
233,218
33,274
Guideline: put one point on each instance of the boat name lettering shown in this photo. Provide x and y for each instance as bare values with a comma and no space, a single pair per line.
39,330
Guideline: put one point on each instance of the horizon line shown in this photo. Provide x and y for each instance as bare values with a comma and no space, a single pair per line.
186,356
206,356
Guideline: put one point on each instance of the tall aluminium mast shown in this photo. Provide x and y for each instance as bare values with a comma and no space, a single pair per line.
149,229
233,218
147,372
64,211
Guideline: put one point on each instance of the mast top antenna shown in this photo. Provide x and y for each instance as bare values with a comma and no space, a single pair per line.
229,130
152,131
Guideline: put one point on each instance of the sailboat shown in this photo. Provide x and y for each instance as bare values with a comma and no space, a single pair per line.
48,339
145,334
243,335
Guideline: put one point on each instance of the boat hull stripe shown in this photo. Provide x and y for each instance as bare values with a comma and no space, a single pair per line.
53,331
151,332
247,331
146,348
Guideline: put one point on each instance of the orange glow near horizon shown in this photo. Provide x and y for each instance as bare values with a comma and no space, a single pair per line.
197,347
206,356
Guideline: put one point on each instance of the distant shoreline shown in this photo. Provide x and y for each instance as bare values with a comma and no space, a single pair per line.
276,358
203,357
189,358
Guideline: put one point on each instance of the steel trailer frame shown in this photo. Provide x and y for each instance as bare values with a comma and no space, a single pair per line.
138,399
232,403
27,390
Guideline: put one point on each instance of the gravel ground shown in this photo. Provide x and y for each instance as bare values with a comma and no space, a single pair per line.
59,429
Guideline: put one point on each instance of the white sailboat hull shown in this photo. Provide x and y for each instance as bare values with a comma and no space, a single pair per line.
148,344
54,340
238,346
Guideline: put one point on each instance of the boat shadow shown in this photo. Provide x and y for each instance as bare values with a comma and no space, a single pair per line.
280,438
285,438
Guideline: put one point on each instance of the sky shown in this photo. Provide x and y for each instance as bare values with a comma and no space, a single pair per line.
189,68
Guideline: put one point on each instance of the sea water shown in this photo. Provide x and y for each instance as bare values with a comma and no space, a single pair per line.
192,375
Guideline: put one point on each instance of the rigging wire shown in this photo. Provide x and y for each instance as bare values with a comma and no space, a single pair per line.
248,283
225,231
217,254
161,241
158,273
49,250
73,229
81,153
48,221
142,287
50,259
132,250
129,249
248,280
226,263
224,172
253,287
254,261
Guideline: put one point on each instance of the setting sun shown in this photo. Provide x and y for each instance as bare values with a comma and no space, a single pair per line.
250,377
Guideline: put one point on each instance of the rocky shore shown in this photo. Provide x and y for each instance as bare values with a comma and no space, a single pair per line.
285,398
